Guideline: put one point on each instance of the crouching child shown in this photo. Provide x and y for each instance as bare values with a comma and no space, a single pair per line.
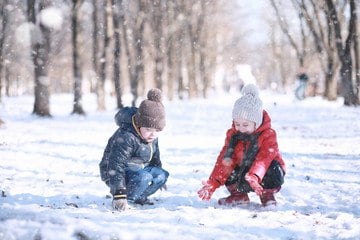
250,160
131,165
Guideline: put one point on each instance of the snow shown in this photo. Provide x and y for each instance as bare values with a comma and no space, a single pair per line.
22,34
52,17
244,72
51,188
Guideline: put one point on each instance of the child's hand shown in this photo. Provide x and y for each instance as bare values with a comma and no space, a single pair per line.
119,204
206,191
253,181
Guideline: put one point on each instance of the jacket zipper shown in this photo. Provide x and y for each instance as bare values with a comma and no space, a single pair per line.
151,151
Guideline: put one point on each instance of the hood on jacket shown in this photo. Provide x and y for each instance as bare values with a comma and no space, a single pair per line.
124,116
266,123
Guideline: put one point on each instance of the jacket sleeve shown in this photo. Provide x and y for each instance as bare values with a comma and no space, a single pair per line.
221,172
268,151
155,160
120,153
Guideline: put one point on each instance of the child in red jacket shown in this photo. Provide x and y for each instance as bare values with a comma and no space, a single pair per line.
250,159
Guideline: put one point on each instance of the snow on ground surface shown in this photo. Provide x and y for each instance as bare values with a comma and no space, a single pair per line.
51,188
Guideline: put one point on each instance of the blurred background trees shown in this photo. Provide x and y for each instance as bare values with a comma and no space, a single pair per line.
328,31
187,48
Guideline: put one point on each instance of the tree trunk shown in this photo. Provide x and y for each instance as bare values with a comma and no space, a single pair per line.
77,65
331,85
193,33
179,61
344,51
356,56
4,19
95,42
285,29
158,36
130,60
7,80
191,61
170,36
191,64
170,70
40,56
100,89
323,44
139,55
203,35
118,19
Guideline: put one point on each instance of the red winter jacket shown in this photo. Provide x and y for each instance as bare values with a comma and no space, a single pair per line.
268,151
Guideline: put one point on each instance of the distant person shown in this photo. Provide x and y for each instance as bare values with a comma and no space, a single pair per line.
302,79
250,160
131,165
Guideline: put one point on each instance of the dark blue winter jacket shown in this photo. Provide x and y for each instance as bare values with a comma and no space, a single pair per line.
126,149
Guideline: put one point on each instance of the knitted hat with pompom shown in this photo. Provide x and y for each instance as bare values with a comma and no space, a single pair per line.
249,106
151,112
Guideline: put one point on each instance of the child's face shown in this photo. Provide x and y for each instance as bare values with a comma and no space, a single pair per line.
149,134
244,126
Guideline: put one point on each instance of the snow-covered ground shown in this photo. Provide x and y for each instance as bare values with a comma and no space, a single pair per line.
51,188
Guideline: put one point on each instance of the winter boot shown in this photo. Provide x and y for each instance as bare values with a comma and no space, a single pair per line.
268,198
235,198
145,201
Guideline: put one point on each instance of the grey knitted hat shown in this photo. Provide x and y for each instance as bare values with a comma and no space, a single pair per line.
249,106
151,112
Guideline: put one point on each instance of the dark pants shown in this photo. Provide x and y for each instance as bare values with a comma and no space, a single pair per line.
273,178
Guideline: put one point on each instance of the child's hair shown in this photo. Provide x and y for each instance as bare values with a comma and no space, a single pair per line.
249,106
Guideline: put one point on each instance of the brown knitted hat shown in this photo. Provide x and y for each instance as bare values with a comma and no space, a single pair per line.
151,112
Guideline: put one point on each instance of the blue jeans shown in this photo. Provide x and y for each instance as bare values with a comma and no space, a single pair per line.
143,182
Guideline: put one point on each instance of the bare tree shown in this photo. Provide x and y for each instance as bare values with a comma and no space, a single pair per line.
205,56
331,85
170,38
77,65
4,19
277,54
100,89
323,39
344,50
95,39
134,42
157,12
327,37
179,45
139,54
356,55
128,48
118,20
190,49
40,55
2,38
300,52
194,19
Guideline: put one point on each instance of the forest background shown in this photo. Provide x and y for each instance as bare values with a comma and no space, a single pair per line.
186,48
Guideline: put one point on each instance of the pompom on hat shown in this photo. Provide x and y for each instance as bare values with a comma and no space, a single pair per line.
249,106
151,112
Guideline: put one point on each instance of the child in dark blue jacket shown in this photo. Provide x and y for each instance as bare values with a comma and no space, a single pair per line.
131,164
